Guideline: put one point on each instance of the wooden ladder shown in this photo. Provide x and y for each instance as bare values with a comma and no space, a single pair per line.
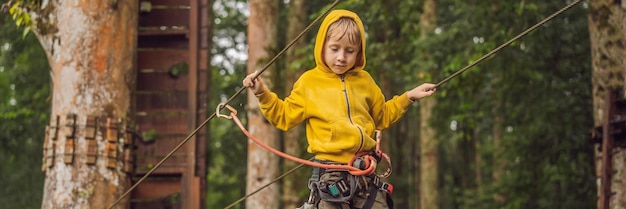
170,101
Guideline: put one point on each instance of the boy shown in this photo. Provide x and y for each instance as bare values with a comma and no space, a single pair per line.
341,106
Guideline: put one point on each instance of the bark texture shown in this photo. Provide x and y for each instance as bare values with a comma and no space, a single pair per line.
262,165
91,49
607,30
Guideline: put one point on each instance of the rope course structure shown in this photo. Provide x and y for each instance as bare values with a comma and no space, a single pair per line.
195,131
273,60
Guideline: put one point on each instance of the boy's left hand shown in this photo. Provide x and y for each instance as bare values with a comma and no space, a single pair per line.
421,91
256,86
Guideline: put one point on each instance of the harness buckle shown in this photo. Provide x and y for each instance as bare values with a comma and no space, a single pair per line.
384,186
387,187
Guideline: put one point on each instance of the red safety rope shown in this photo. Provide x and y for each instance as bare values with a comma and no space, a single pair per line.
370,161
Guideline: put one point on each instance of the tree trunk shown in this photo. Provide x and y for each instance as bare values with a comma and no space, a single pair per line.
499,161
607,29
262,164
429,177
91,48
295,183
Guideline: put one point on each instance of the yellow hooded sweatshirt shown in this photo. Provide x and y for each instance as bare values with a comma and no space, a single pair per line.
341,112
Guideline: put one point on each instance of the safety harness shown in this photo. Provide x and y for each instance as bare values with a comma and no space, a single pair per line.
347,177
342,188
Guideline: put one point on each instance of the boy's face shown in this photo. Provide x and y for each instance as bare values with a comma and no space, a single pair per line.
340,55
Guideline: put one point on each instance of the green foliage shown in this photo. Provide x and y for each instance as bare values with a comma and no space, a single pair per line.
19,10
24,110
227,146
149,136
543,84
540,83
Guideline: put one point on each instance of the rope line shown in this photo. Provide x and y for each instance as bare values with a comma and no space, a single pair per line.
365,157
194,132
497,49
266,185
492,52
443,81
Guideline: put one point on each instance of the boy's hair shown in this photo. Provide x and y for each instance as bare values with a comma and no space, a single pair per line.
347,27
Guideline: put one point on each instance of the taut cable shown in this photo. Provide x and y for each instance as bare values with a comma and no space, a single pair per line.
194,132
492,52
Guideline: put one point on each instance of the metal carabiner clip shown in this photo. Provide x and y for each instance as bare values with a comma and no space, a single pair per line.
222,105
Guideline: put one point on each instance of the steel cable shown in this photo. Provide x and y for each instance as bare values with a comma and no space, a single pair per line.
497,49
448,78
492,52
194,132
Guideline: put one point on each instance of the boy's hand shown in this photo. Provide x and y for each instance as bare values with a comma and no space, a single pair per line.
256,86
421,91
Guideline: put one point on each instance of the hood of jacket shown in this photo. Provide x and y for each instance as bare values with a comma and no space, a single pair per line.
322,33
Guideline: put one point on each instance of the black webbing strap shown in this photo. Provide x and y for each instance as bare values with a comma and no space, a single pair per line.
384,186
369,202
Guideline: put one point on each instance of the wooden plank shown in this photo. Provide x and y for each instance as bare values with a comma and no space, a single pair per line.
607,149
154,188
204,38
173,165
204,17
202,104
162,101
163,124
175,40
162,80
160,59
157,31
203,81
153,193
169,2
165,17
155,205
190,198
204,60
149,154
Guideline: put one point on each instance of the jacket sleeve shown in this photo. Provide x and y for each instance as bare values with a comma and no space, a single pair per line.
283,114
386,113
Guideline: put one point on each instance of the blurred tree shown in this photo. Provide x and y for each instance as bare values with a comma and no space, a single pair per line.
90,50
294,186
262,165
533,96
429,145
534,93
227,147
607,28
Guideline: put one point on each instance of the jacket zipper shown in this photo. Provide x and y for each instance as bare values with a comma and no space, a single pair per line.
345,93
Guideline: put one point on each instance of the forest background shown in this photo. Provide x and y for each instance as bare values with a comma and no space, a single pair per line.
512,132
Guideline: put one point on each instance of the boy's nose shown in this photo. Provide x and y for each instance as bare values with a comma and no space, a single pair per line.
341,56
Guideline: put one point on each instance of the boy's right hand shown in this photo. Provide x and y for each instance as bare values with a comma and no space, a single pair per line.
256,86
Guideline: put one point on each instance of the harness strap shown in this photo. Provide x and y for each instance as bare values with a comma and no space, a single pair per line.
371,197
314,185
384,186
